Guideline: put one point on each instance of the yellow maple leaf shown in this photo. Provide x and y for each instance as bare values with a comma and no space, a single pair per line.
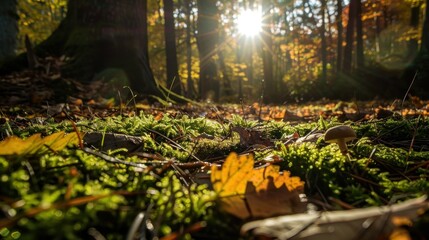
232,179
36,144
247,192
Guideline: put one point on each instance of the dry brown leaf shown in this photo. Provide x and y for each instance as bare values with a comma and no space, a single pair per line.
249,137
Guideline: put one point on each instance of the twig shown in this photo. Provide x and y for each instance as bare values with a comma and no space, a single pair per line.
365,180
409,88
112,159
341,203
174,143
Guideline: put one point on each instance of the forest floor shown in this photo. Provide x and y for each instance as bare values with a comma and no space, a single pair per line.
77,166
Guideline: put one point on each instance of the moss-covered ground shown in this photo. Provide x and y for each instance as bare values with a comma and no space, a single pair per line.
156,189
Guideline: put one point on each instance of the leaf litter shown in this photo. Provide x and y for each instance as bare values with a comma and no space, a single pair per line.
389,159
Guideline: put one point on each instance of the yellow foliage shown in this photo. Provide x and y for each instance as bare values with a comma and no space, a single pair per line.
247,192
36,144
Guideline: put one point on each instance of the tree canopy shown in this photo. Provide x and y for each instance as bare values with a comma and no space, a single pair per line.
305,49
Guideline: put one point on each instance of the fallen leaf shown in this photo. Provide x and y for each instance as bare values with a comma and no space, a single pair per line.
232,179
247,192
36,144
249,137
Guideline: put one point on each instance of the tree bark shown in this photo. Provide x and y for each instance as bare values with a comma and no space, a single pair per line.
9,28
173,79
360,58
425,31
145,31
339,20
103,34
324,47
208,37
413,45
348,50
190,91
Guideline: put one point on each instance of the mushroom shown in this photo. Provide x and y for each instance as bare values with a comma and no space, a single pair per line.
340,135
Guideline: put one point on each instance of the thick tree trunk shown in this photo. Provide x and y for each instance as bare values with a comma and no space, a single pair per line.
360,60
105,34
270,94
9,28
348,50
173,79
208,37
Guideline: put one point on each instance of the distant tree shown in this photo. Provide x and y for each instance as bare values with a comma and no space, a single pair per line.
173,79
9,28
270,92
324,45
339,20
425,30
208,37
348,50
360,61
413,45
422,60
190,90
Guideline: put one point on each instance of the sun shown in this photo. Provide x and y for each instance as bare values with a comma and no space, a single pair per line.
249,22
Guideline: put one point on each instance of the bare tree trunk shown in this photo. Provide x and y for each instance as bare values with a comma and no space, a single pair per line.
413,45
270,94
339,20
145,30
208,38
323,43
226,82
9,28
190,91
348,50
360,58
173,79
425,31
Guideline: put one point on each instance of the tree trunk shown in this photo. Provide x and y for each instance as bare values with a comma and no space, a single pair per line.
270,94
190,91
9,28
425,31
104,34
145,31
348,50
339,20
413,45
324,47
208,38
173,79
360,60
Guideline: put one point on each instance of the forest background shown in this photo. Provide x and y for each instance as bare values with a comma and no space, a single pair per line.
305,49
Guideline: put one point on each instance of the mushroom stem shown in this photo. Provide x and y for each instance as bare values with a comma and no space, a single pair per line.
342,145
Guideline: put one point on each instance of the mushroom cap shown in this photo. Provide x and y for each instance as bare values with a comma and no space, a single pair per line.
333,134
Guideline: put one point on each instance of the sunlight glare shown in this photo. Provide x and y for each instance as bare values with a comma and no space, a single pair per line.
249,22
